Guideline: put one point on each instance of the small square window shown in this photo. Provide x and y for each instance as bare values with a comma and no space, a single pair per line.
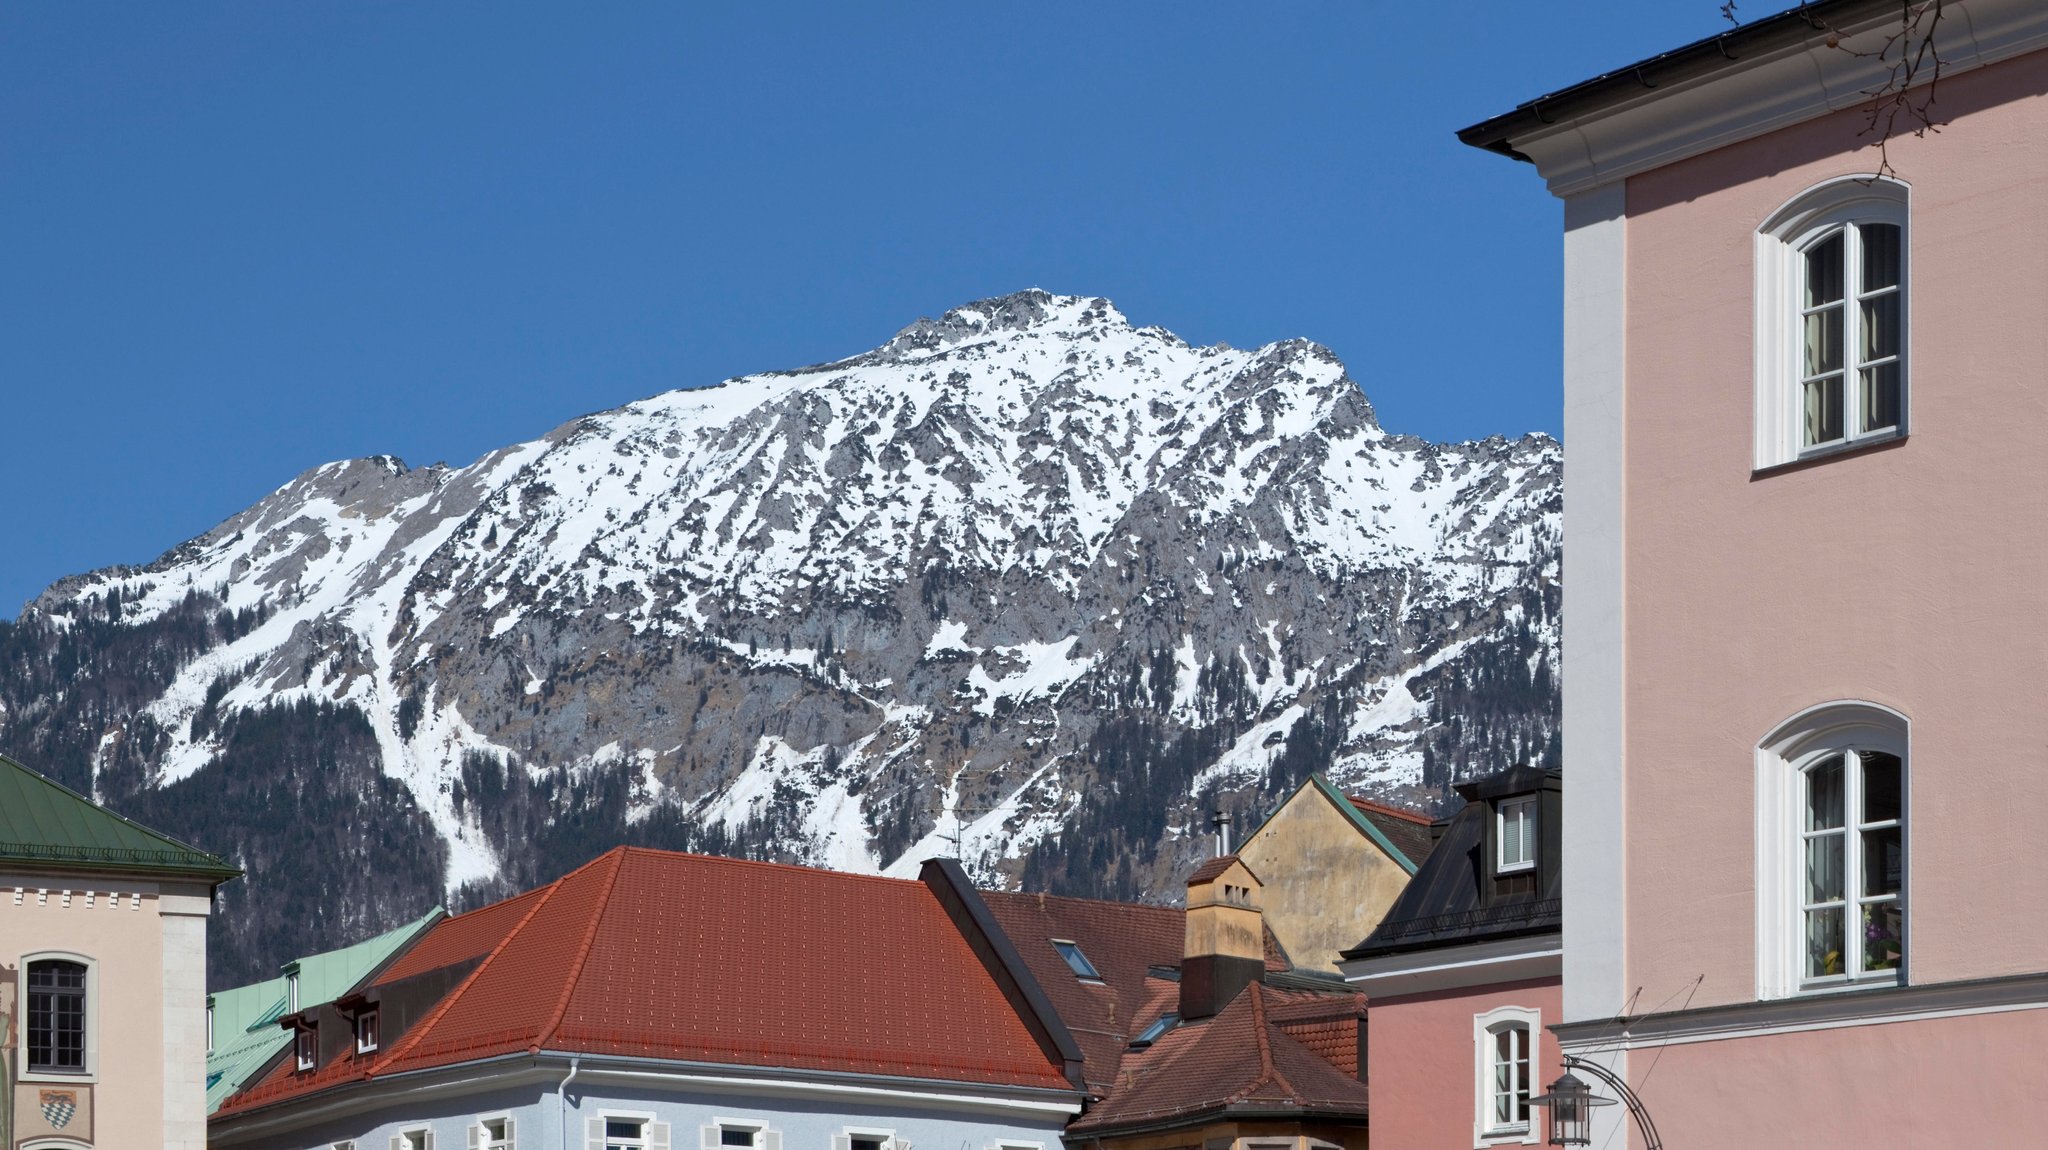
1515,836
625,1134
1076,961
417,1140
497,1133
869,1142
306,1045
735,1136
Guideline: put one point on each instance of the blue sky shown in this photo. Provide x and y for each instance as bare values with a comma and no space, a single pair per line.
240,240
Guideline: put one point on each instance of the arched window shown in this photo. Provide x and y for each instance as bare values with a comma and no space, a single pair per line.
1832,822
56,1033
1504,1065
1831,320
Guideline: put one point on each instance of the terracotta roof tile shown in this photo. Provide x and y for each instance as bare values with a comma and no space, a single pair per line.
675,956
1244,1058
1407,830
1122,940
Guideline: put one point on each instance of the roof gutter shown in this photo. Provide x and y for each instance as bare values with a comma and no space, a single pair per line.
1694,61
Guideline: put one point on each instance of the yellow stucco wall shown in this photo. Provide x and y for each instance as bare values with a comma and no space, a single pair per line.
1326,883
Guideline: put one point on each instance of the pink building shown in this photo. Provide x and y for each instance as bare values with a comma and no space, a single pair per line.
1462,975
1807,578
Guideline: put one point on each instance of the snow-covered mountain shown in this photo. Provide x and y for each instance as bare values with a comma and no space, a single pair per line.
1027,584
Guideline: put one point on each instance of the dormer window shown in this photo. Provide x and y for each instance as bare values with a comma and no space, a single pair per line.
1076,961
306,1046
1515,836
366,1031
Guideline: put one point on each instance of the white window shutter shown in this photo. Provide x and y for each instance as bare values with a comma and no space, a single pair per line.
397,1142
710,1141
595,1128
771,1140
657,1136
842,1142
430,1140
476,1135
511,1139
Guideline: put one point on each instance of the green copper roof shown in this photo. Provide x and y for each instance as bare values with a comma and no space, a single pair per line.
42,822
245,1030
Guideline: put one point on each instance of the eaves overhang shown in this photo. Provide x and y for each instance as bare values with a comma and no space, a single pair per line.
363,1094
1519,959
1771,73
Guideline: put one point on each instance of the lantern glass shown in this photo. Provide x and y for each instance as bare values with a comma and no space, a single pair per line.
1570,1104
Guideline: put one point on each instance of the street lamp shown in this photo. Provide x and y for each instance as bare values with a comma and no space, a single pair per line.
1570,1103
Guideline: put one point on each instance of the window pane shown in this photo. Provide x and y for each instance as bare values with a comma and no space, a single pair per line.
1824,271
1880,256
1824,341
1824,410
1880,327
1824,942
1884,861
1880,396
1824,795
727,1136
1824,868
1884,941
1880,786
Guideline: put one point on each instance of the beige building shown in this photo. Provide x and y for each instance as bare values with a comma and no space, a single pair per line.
1332,865
102,975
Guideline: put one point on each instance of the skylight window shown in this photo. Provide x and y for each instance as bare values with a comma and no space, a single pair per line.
1076,961
1154,1032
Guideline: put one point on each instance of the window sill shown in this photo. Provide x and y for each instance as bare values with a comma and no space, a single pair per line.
1505,1136
74,1077
1826,454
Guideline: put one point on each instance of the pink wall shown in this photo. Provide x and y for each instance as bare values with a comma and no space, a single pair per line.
1901,1084
1419,1059
1915,576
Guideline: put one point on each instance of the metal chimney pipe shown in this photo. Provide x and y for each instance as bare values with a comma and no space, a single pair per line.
1221,822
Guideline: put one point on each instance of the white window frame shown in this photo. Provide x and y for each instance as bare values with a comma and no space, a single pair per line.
1781,243
402,1140
887,1137
480,1132
1501,865
766,1137
300,1063
376,1025
91,1073
1781,761
1486,1132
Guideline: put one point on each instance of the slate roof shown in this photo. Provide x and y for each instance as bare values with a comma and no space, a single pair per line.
1447,902
664,955
45,824
1272,1053
245,1030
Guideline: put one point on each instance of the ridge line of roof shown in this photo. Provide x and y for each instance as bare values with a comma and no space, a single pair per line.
1420,820
582,952
420,1028
1268,1072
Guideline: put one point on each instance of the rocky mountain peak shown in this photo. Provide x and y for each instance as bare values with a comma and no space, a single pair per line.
1027,585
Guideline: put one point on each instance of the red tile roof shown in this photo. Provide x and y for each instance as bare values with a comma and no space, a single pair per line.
1270,1051
676,956
1407,830
1122,940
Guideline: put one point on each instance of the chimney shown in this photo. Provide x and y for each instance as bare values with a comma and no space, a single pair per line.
1221,821
1225,943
